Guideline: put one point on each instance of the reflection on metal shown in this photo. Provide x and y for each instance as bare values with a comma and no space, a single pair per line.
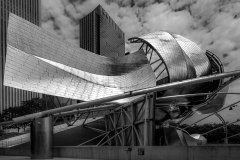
42,138
175,136
39,61
201,140
182,58
196,55
174,58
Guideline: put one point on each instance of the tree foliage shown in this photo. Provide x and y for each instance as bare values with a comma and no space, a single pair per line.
27,107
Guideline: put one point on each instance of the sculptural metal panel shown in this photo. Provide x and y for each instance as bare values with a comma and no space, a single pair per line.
39,61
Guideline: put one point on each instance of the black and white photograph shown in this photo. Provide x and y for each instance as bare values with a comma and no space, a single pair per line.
120,79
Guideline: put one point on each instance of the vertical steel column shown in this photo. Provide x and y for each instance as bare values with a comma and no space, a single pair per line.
122,124
42,138
114,114
149,125
133,110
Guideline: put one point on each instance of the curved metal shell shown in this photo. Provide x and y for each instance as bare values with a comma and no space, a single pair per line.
215,104
39,61
183,59
178,64
219,100
196,55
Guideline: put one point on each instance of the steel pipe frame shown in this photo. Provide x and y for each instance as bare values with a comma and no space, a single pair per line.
115,133
115,122
235,74
78,116
133,115
221,127
224,124
212,114
192,95
148,45
126,120
110,106
210,98
92,139
237,134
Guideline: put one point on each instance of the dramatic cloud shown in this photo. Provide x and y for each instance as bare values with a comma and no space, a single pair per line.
214,24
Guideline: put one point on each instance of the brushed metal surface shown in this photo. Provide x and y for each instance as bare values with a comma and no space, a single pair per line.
178,64
41,62
196,55
42,138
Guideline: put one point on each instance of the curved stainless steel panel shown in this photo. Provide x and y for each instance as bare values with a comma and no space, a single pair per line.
196,55
178,64
39,61
183,59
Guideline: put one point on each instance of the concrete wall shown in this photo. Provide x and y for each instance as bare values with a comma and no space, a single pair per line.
15,151
122,153
223,152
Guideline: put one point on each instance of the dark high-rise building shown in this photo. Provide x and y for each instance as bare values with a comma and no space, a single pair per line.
100,34
29,10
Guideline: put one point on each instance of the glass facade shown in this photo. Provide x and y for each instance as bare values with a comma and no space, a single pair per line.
39,61
100,34
29,10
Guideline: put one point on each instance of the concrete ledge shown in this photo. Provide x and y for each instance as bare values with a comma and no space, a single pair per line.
220,152
15,151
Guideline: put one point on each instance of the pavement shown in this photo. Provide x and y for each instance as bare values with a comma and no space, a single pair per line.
26,158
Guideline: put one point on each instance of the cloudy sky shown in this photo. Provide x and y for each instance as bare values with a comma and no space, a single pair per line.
213,24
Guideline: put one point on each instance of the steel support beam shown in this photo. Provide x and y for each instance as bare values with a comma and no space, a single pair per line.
163,87
149,125
42,138
220,127
139,115
233,104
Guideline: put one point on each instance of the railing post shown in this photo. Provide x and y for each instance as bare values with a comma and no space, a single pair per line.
42,138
